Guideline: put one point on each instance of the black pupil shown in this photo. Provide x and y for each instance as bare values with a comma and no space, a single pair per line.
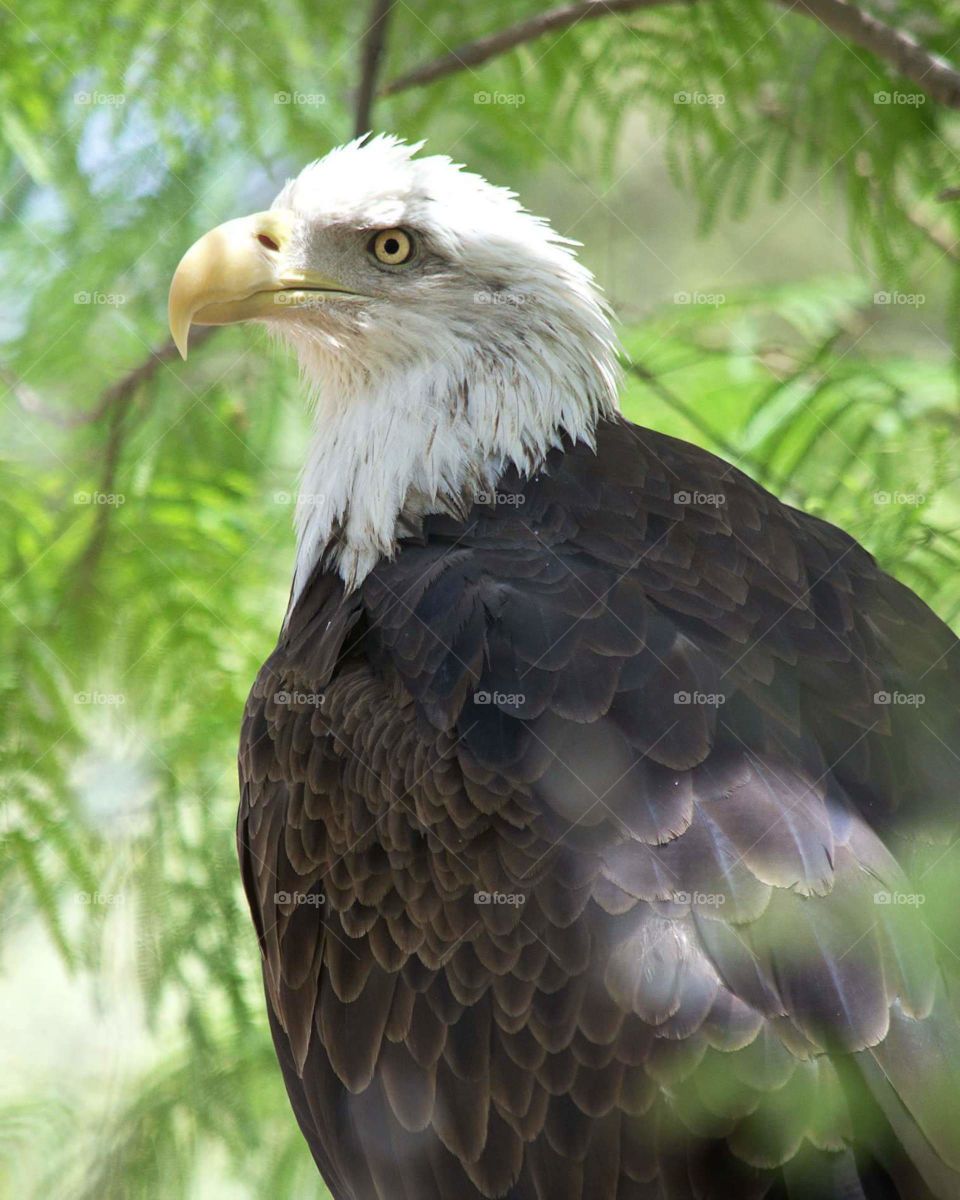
391,246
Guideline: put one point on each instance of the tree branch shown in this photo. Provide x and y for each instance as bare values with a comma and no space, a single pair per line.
79,577
126,386
371,56
936,233
939,78
473,54
115,399
32,402
120,392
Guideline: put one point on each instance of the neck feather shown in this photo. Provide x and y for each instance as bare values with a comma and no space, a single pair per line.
431,438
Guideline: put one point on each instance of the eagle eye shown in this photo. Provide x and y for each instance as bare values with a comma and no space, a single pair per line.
392,247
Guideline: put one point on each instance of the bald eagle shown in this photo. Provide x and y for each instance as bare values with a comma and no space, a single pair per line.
581,823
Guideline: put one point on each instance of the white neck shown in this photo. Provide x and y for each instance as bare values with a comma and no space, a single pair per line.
429,438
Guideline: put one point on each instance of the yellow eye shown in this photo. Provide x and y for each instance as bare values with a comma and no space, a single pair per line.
392,246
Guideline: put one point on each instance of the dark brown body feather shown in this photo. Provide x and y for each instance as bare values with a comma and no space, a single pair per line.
692,990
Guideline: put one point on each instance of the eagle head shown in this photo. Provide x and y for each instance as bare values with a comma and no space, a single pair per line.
444,331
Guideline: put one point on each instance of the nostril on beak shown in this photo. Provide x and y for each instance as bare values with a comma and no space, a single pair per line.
265,240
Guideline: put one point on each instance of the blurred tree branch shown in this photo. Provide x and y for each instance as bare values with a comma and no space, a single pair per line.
937,77
934,75
937,234
82,570
120,393
492,45
116,399
371,58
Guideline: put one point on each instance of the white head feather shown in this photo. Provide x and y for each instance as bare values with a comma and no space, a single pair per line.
477,358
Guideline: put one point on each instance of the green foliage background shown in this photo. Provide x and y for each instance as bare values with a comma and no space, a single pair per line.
146,505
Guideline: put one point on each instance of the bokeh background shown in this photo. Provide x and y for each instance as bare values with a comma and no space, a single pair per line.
771,207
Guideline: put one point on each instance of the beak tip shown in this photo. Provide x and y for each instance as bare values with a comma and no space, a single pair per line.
180,335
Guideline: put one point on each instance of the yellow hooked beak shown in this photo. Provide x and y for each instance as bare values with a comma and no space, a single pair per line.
240,272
